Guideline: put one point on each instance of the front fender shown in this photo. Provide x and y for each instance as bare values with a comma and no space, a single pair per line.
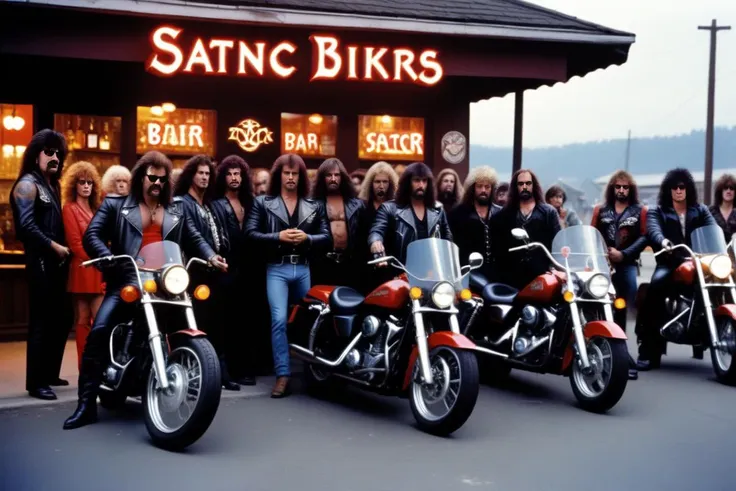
442,338
728,310
606,329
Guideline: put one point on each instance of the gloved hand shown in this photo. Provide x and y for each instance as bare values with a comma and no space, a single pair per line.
667,244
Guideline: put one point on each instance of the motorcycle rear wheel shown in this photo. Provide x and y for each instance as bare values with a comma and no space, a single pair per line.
178,419
456,386
602,390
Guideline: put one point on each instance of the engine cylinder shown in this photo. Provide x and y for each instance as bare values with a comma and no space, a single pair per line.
370,327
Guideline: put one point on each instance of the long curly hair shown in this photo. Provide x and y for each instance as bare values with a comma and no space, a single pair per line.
347,191
112,174
621,175
245,193
289,159
157,160
513,200
673,177
458,195
44,139
476,175
366,190
721,183
75,172
184,181
421,170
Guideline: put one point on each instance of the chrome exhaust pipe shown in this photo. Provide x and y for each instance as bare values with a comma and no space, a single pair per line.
311,357
536,344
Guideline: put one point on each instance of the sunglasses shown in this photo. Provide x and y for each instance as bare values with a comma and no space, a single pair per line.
678,187
155,179
728,188
50,152
89,182
625,187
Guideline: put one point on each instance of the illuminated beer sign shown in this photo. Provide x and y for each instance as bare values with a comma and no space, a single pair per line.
308,135
179,131
171,54
390,138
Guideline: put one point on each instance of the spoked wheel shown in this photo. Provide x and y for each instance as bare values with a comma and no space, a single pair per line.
442,407
179,416
722,356
317,377
601,388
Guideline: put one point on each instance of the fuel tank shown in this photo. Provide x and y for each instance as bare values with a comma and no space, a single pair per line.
393,294
543,289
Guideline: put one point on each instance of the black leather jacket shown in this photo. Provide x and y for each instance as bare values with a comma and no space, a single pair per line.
118,223
395,227
628,233
269,217
663,223
469,232
236,254
38,222
357,228
198,215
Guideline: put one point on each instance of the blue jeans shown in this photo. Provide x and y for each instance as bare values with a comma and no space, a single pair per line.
285,284
624,281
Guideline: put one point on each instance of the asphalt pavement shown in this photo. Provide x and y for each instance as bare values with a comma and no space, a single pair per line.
669,432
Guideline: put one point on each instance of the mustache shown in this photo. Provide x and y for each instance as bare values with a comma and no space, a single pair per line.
53,163
154,186
381,193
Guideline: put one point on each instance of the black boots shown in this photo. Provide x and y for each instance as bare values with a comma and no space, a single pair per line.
85,414
90,377
227,382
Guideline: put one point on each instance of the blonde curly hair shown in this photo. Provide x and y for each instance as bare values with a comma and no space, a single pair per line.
366,190
76,171
112,174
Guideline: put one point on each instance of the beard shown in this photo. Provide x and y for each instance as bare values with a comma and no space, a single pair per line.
483,199
525,195
154,186
380,194
621,198
234,185
418,194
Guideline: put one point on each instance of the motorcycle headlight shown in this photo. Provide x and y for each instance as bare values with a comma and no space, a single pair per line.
720,266
175,280
443,295
598,285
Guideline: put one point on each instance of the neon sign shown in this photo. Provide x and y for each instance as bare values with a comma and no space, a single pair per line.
330,60
300,142
185,135
395,143
249,134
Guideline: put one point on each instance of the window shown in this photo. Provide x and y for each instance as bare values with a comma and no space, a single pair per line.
390,138
308,135
175,131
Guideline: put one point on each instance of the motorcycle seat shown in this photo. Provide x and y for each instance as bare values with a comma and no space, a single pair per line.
477,281
499,293
344,300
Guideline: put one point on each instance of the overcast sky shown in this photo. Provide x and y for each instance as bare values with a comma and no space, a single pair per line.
660,90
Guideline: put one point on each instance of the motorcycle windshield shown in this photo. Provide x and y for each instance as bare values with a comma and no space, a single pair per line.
587,249
430,261
708,240
159,254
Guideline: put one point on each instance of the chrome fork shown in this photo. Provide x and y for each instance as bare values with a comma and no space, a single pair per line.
155,341
422,346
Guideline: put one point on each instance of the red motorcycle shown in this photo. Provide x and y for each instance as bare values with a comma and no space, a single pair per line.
403,339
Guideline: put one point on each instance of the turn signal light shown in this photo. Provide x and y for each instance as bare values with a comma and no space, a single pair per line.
150,286
465,295
415,293
202,292
568,296
130,294
619,303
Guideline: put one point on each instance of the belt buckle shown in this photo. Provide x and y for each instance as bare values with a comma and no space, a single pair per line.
293,259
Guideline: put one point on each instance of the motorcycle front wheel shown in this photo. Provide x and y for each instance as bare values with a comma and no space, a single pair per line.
445,405
179,416
602,388
722,359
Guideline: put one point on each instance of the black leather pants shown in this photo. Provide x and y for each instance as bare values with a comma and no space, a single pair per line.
651,344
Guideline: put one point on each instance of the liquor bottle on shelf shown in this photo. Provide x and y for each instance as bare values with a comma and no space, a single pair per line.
69,135
92,137
80,138
105,140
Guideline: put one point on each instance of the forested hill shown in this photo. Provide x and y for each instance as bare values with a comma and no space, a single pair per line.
594,159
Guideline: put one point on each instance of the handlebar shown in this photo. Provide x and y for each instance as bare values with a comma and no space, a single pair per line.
678,246
544,248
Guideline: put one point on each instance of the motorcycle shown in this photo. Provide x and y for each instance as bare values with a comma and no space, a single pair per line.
403,339
560,323
702,305
159,354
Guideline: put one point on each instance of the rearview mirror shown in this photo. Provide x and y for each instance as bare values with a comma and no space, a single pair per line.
476,260
520,234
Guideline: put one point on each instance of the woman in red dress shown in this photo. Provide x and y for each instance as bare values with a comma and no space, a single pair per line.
81,190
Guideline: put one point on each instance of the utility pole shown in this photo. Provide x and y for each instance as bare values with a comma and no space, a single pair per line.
628,151
713,28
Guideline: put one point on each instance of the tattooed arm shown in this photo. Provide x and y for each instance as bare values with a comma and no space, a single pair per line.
25,196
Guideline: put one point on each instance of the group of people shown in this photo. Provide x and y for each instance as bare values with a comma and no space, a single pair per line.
270,241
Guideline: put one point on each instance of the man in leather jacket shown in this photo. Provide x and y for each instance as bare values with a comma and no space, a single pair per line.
669,224
525,209
470,220
346,215
127,223
622,221
194,190
234,200
36,203
290,230
411,216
